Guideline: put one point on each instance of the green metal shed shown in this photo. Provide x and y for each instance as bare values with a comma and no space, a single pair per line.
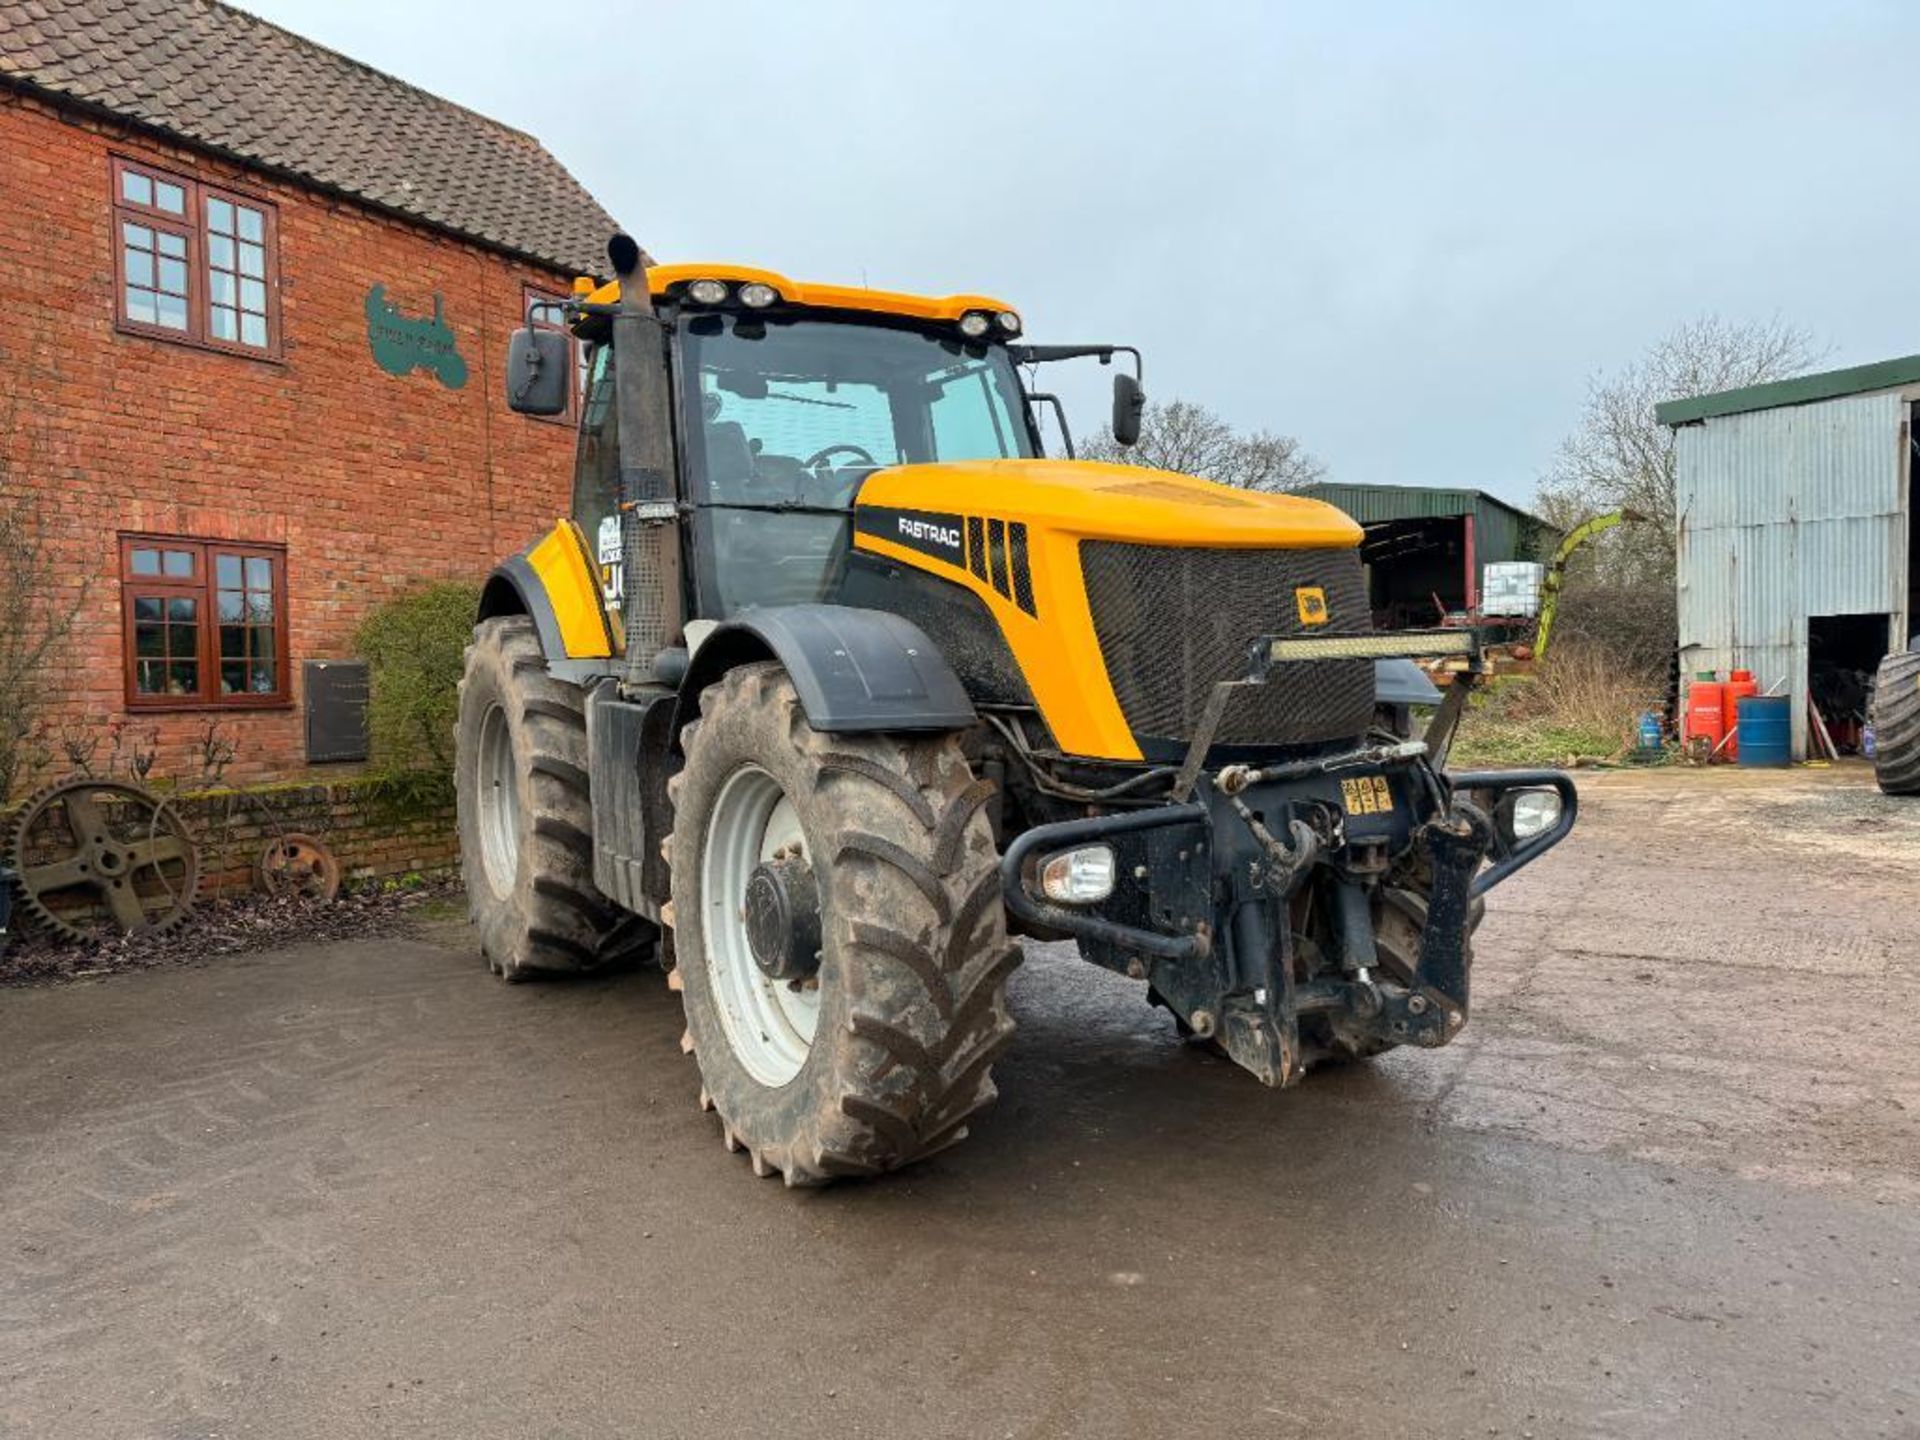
1424,547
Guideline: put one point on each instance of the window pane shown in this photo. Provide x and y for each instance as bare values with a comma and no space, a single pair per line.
169,197
233,677
224,323
140,307
170,244
233,639
219,216
149,677
259,573
177,563
252,225
139,268
226,571
253,260
173,276
220,288
170,311
137,236
146,562
232,607
263,642
253,330
149,640
180,609
263,677
183,677
136,189
146,607
220,252
253,296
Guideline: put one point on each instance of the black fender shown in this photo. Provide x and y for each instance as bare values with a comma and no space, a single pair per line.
514,589
1401,682
855,670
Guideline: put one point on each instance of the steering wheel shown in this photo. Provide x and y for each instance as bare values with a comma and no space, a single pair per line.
819,457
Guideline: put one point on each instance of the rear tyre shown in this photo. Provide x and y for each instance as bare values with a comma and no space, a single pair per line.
1896,724
526,824
879,1057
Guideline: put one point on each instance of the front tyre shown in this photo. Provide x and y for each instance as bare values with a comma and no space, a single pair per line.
526,823
841,942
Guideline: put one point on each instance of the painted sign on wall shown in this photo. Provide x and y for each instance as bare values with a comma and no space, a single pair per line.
401,344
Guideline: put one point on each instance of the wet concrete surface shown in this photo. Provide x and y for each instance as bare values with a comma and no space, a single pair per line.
1667,1183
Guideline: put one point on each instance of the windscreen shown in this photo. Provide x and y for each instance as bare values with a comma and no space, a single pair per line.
786,418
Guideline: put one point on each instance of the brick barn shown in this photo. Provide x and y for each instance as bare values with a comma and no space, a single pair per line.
255,298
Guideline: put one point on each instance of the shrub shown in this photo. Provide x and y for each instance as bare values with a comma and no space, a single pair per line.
415,647
1580,704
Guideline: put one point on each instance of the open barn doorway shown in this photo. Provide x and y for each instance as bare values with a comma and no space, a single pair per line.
1843,651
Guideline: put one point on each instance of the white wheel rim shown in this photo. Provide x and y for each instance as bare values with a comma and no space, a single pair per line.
499,803
769,1024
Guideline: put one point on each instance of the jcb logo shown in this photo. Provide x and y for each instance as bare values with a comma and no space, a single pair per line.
1312,601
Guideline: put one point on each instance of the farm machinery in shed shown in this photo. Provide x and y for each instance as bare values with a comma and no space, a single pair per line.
833,681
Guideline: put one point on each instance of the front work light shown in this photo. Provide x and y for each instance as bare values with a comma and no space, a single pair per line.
1009,322
756,296
1078,877
708,292
973,324
1534,813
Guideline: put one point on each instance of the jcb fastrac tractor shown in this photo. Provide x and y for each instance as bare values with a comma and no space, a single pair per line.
833,680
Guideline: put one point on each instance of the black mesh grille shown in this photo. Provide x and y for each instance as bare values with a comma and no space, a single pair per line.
1174,622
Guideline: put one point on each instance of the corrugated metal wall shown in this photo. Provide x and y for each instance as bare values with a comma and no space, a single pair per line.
1786,514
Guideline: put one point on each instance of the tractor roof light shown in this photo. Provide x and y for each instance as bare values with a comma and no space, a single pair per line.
756,296
975,324
708,292
1009,322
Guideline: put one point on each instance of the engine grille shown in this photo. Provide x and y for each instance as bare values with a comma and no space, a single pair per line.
1174,622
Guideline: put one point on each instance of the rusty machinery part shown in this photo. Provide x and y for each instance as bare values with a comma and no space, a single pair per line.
299,865
96,856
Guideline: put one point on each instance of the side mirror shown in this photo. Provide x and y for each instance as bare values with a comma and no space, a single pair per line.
539,370
1129,402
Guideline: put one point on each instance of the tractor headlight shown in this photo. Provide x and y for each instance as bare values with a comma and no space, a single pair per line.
756,296
1534,813
1009,322
1078,877
708,292
974,324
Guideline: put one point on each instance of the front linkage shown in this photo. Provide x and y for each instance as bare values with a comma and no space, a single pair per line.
1209,889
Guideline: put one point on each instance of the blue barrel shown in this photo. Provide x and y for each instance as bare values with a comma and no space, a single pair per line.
1766,730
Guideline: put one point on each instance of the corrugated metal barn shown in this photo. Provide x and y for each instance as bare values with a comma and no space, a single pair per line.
1425,547
1797,531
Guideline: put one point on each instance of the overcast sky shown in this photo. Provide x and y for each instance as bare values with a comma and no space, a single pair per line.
1406,233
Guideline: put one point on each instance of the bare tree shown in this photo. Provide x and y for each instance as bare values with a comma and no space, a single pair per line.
1181,436
1621,591
1620,456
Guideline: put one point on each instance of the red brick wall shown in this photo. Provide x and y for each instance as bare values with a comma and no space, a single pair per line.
374,483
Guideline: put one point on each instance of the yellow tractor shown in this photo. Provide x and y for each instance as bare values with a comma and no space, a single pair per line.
833,681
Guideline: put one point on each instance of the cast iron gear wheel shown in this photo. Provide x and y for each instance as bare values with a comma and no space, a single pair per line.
880,1056
297,864
1896,724
526,822
90,856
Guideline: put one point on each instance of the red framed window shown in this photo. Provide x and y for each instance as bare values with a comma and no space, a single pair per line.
196,264
544,310
205,623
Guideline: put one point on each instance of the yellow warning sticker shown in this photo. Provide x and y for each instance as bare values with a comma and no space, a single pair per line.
1366,795
1312,602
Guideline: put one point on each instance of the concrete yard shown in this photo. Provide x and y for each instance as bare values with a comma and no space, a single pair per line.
1666,1184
